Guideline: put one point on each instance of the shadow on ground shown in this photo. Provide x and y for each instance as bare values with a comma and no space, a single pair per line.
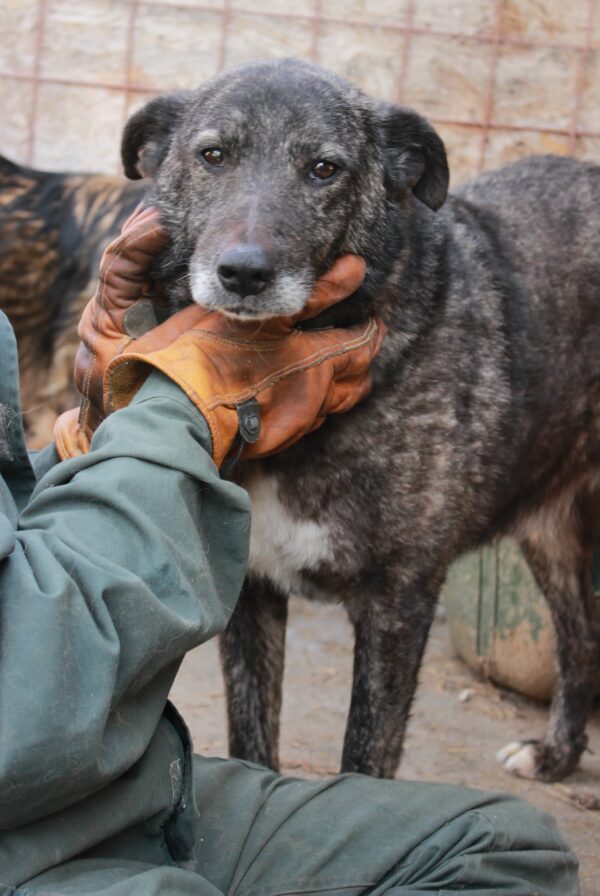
458,723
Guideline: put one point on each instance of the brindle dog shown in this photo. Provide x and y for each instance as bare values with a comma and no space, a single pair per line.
53,230
484,416
485,413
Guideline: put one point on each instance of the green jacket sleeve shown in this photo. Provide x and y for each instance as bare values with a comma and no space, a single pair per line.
122,561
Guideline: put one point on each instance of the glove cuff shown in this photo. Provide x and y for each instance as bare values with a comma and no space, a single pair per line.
125,376
69,439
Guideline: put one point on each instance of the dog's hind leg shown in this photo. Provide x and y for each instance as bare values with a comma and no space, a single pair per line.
252,652
558,545
390,638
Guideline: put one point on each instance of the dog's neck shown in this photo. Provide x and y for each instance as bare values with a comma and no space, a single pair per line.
405,275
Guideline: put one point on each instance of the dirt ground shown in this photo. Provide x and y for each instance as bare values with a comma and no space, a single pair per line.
458,723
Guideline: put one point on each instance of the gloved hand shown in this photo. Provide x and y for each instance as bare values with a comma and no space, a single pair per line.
123,307
266,381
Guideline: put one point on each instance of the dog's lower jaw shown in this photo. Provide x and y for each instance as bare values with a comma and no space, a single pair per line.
242,314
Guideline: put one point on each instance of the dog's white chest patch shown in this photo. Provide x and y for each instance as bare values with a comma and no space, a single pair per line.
281,546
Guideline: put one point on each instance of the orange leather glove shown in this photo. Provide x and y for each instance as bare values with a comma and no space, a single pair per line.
123,307
264,381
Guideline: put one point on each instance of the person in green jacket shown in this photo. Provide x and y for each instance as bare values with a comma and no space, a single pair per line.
115,563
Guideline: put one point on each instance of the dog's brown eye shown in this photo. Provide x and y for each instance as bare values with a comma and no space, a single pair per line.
323,170
213,155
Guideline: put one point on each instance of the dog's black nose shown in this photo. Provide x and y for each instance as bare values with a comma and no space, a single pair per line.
246,269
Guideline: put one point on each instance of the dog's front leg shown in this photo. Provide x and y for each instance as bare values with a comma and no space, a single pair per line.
390,637
252,657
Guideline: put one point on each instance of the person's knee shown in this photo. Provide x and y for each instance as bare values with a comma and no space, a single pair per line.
518,825
510,844
498,844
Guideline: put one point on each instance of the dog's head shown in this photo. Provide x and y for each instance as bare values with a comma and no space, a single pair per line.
265,175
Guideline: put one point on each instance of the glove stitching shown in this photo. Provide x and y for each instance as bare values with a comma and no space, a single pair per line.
252,344
305,363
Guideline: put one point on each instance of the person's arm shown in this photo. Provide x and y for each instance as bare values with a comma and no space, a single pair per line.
133,552
124,559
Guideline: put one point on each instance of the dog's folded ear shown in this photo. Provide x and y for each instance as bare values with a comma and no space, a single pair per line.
415,156
148,134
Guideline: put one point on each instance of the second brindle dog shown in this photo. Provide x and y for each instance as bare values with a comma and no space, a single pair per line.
54,227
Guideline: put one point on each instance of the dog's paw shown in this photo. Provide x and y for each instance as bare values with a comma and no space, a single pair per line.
541,760
519,758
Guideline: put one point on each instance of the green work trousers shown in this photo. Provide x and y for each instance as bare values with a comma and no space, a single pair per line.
260,834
